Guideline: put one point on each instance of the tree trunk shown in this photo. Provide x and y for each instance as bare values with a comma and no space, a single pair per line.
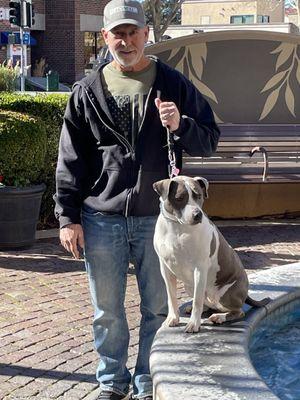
160,25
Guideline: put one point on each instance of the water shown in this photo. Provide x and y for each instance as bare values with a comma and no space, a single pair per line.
275,351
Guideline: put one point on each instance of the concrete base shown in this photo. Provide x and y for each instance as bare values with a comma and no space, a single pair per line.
252,200
214,363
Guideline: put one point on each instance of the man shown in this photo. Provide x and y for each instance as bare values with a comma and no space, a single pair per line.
112,149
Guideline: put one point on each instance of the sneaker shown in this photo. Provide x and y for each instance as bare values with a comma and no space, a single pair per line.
109,395
150,397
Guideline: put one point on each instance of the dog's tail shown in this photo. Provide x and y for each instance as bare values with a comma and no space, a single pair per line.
257,303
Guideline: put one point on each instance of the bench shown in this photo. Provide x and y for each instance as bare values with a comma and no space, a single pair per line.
254,172
251,153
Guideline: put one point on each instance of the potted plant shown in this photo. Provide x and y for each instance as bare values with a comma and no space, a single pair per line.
22,155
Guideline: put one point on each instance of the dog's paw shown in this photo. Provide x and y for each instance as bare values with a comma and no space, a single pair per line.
192,326
217,318
171,320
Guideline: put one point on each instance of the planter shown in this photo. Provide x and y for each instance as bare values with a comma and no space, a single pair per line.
19,213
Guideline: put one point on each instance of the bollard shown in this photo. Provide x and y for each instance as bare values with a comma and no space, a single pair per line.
52,81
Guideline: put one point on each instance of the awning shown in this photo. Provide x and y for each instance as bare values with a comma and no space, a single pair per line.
29,40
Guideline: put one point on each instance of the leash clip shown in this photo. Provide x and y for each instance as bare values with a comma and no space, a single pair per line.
174,170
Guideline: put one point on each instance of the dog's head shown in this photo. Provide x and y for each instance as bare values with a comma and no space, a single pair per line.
183,197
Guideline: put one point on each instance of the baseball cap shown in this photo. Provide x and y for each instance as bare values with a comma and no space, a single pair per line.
118,12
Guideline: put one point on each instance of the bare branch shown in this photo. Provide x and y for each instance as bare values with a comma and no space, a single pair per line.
159,20
171,16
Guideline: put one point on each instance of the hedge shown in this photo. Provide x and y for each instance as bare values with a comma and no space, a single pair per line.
23,144
50,109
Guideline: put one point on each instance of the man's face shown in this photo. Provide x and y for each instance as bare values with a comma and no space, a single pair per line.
126,44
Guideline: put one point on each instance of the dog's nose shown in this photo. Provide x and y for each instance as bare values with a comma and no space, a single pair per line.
197,216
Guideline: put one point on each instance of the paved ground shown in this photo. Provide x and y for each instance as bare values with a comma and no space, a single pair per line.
46,346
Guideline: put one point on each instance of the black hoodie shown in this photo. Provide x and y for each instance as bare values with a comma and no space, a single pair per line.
98,167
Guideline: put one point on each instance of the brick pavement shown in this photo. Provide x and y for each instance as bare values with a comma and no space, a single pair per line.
46,345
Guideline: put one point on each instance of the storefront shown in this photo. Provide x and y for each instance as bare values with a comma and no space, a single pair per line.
67,33
93,42
11,48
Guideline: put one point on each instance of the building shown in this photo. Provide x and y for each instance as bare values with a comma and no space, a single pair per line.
65,37
219,15
176,31
238,12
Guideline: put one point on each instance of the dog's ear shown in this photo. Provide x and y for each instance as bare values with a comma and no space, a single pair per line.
203,184
162,187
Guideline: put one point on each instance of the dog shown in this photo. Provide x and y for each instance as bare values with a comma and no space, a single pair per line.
191,248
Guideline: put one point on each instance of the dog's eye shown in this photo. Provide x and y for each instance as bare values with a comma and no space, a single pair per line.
197,196
179,198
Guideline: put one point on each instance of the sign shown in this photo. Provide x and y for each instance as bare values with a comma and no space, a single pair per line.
26,38
11,39
4,14
14,37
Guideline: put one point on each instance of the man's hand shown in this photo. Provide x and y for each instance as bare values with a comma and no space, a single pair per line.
169,114
70,237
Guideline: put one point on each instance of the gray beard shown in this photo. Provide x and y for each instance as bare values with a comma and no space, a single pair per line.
122,62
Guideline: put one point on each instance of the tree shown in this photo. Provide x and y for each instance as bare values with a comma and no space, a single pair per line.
160,14
293,3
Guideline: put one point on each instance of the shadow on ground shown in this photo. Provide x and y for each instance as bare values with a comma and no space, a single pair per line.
15,371
46,255
257,246
261,247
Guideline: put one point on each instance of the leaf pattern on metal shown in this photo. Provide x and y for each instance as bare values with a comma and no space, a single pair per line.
287,57
190,62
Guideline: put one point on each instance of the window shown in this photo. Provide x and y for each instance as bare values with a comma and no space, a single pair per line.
205,20
263,19
242,19
93,41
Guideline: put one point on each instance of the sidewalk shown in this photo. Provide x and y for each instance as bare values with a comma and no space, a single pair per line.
46,345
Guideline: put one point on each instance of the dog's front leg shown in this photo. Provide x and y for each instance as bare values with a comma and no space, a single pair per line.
200,278
171,286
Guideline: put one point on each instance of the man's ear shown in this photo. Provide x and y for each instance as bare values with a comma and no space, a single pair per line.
162,187
104,34
147,31
203,184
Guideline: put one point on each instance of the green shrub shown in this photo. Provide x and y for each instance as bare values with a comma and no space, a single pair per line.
23,144
50,109
8,79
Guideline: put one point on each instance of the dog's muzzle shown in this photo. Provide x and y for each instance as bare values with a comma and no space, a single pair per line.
197,217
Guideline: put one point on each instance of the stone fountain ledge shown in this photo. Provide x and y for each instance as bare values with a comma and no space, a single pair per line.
214,364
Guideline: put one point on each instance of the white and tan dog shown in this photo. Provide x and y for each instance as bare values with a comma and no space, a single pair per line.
192,249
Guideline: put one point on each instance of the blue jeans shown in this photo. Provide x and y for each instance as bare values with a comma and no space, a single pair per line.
111,241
